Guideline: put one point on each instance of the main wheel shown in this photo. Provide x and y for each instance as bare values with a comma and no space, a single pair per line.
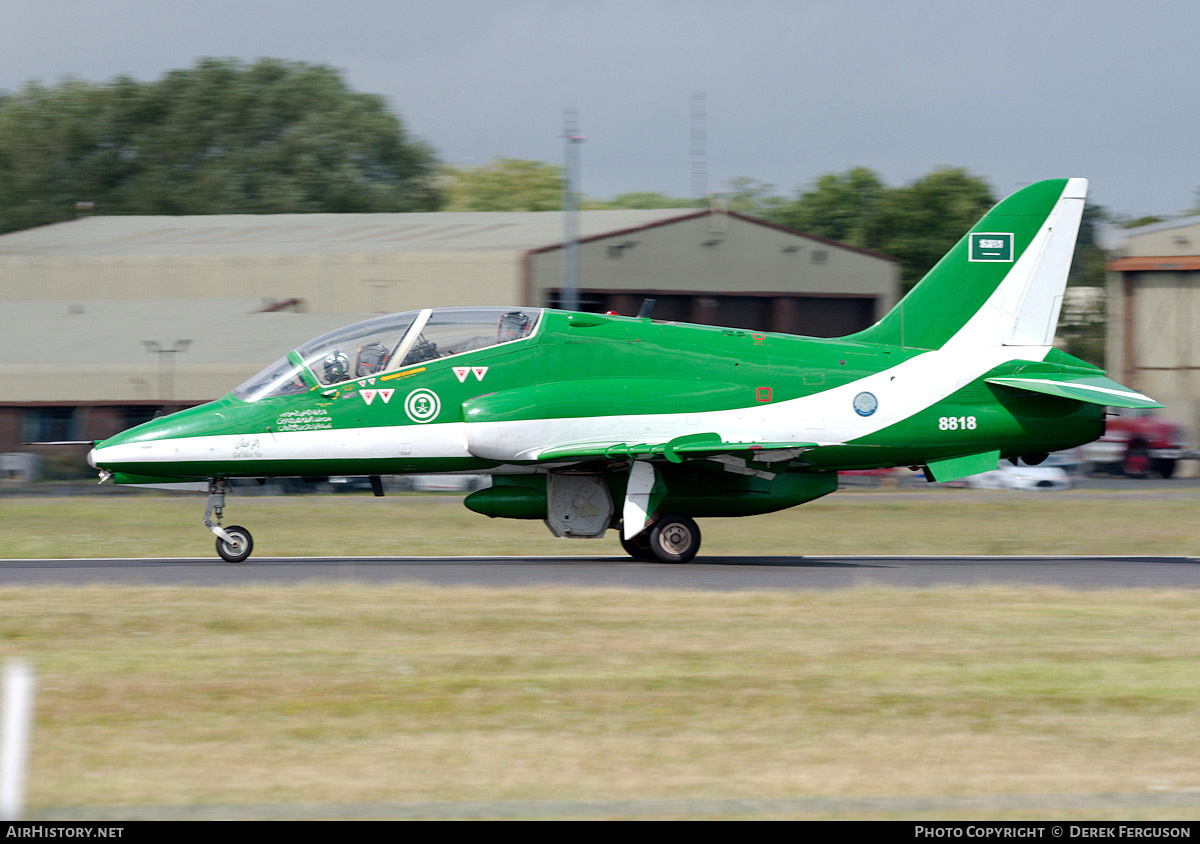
674,539
239,549
638,547
1137,462
1165,467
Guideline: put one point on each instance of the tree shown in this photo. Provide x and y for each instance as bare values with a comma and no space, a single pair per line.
221,137
504,184
842,208
750,196
639,199
1148,220
919,223
1083,323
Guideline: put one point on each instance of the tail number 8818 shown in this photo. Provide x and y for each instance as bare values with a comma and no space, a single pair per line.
957,423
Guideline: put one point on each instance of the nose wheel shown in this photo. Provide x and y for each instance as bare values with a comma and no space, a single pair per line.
237,547
234,543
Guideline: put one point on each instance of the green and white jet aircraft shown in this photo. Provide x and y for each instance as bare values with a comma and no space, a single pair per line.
592,422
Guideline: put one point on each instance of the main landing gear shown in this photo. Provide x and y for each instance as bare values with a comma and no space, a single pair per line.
670,539
234,543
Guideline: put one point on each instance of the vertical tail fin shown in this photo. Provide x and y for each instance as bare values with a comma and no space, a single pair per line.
1002,284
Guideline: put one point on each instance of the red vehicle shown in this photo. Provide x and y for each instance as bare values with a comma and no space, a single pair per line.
1137,444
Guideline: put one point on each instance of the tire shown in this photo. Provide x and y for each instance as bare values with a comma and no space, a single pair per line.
639,546
1164,466
235,553
674,539
1137,462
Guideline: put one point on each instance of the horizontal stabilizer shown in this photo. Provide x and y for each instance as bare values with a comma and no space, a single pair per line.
690,445
1085,387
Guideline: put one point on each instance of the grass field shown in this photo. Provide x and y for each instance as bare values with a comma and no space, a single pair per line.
348,694
345,694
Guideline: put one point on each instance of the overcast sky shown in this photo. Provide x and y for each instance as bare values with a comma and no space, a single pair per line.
1013,91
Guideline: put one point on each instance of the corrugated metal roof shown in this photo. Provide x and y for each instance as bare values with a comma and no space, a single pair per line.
1112,237
249,234
1165,225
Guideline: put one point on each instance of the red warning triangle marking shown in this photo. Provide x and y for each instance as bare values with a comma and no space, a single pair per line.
368,395
460,372
479,371
386,395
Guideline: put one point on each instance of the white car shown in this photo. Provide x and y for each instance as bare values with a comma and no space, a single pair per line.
1025,478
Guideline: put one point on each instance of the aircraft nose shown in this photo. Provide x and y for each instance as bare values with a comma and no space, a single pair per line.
91,458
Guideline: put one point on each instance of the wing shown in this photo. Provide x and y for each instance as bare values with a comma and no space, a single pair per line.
645,488
707,445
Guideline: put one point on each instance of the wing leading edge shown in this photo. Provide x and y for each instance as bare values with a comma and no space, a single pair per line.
677,449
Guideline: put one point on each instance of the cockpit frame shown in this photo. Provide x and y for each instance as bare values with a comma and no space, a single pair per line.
414,337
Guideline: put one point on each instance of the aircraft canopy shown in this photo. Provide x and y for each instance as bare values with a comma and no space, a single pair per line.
388,343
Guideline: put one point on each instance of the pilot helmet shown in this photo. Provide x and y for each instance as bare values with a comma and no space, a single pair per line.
337,367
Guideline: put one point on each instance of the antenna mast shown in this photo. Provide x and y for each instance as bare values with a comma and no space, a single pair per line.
699,155
568,298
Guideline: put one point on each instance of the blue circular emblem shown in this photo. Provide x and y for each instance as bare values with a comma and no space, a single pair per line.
865,404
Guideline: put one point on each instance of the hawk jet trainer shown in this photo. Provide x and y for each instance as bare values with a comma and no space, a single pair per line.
595,422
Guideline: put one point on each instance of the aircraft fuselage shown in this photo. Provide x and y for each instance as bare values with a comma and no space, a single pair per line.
582,378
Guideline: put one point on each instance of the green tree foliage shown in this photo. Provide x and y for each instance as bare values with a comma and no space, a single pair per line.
917,223
750,196
840,207
920,222
1084,319
221,137
640,199
504,184
1087,266
1148,220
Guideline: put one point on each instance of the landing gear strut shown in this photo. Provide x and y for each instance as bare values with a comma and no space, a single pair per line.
234,543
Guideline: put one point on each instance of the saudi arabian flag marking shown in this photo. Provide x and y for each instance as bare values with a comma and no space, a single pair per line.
991,246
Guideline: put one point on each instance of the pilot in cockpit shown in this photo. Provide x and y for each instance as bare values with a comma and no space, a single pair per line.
337,367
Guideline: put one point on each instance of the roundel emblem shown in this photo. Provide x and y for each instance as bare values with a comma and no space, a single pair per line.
422,405
865,404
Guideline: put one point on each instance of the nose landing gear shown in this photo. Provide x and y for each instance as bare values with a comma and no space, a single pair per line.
234,543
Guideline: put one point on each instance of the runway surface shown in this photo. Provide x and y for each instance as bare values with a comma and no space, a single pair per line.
704,573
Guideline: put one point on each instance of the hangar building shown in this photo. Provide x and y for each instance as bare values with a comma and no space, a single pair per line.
107,319
1153,340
